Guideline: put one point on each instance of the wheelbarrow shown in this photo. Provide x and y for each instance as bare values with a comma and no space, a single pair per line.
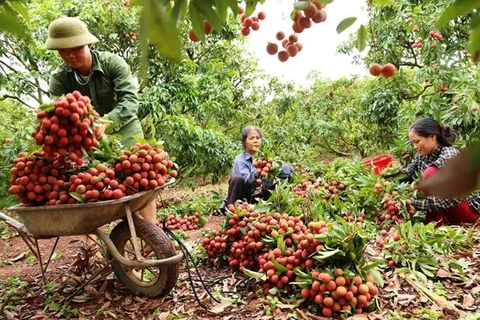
144,258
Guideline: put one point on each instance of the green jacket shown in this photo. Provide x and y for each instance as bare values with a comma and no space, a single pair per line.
111,89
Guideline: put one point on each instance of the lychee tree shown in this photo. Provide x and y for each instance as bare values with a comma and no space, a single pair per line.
160,19
208,96
437,43
351,117
443,82
25,65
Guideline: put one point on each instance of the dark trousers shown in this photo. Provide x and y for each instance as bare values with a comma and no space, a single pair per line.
237,190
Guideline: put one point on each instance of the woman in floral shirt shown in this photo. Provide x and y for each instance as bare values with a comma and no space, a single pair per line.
433,144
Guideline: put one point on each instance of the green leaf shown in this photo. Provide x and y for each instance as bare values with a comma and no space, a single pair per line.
77,196
474,43
460,266
301,284
233,6
281,244
372,265
222,7
255,275
339,231
402,270
361,38
279,267
301,5
425,270
456,9
162,30
47,107
250,8
345,24
9,23
206,10
202,221
302,275
326,254
420,276
474,22
384,2
179,10
273,291
19,7
377,277
325,1
262,208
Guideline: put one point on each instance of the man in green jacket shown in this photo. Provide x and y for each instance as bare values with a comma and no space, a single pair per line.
104,77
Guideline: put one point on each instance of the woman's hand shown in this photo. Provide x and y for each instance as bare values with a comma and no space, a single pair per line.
390,173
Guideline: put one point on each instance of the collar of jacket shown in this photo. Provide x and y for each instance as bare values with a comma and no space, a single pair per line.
435,154
247,155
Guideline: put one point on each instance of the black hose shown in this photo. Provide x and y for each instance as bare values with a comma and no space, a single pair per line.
187,256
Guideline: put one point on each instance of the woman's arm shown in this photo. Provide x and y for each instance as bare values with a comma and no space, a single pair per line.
433,204
245,168
412,170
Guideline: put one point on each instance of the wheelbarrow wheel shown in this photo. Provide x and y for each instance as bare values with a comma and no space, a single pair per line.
154,244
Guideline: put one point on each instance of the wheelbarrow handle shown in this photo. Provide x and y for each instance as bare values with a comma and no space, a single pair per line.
11,222
170,182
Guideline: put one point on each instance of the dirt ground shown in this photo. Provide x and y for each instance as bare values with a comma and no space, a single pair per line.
16,261
195,294
16,251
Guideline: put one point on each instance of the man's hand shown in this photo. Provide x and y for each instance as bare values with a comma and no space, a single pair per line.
100,126
100,131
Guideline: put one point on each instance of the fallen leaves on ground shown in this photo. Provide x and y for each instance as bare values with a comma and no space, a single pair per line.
239,297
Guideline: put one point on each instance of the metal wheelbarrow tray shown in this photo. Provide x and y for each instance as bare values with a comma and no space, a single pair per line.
81,218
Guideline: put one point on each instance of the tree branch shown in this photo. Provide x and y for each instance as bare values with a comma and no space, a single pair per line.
410,64
418,95
352,144
5,73
7,96
28,81
8,66
409,46
336,152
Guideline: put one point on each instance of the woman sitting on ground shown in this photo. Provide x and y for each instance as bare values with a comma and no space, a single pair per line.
433,144
243,183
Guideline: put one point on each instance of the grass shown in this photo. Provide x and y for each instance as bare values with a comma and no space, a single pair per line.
7,201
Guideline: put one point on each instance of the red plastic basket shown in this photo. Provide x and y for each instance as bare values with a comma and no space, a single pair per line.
378,163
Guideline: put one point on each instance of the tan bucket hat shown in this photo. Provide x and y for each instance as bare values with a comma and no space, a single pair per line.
69,32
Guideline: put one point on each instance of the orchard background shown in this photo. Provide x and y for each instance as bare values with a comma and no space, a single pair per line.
197,95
